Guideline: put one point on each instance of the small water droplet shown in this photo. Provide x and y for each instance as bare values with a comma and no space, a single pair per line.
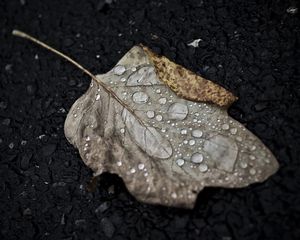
197,158
119,163
183,131
159,118
253,148
141,166
133,69
123,79
97,97
87,138
158,91
122,130
252,157
243,164
192,142
233,131
132,170
252,171
92,84
162,101
180,162
11,145
225,126
150,114
119,70
203,167
174,195
75,115
197,133
163,130
185,141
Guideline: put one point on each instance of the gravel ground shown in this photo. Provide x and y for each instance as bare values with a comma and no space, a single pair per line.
250,47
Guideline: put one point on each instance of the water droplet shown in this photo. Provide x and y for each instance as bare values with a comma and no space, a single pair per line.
252,157
140,97
119,70
203,167
75,115
239,139
97,97
162,101
163,130
92,84
252,171
87,138
233,130
225,126
119,163
178,111
180,162
158,91
174,195
123,79
197,158
183,131
150,114
122,130
159,118
192,142
132,170
197,133
185,141
141,166
133,69
243,164
253,148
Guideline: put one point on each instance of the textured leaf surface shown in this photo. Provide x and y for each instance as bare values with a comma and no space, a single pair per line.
178,148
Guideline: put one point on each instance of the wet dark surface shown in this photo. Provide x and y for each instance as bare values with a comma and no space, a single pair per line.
250,48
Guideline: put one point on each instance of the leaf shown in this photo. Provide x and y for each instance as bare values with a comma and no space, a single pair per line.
167,147
132,122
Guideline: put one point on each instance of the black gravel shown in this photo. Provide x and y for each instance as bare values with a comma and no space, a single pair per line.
250,47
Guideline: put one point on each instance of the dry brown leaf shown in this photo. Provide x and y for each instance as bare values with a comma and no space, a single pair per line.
132,122
181,147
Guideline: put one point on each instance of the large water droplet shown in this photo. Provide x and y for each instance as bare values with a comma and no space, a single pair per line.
178,111
197,158
140,97
119,70
197,133
192,142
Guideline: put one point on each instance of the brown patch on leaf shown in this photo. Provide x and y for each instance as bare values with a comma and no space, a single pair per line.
187,84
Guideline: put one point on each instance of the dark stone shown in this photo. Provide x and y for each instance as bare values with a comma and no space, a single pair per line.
107,227
103,207
48,150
